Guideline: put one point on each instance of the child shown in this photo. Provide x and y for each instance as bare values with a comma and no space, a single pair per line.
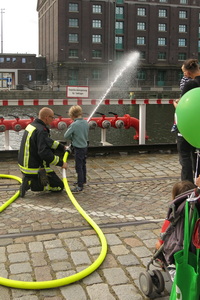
178,189
77,133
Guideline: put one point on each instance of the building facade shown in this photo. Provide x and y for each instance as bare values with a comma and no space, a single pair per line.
83,39
19,70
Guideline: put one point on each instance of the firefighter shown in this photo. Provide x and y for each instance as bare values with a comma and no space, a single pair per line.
37,153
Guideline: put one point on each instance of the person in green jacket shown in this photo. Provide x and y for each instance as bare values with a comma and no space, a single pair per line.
77,133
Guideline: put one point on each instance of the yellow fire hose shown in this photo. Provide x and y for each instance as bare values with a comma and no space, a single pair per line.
67,280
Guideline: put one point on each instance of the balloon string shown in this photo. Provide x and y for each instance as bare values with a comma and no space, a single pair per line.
197,164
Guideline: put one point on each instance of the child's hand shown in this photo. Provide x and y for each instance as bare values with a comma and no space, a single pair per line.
175,103
198,181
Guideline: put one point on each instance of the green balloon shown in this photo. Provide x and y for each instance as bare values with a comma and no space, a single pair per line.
188,117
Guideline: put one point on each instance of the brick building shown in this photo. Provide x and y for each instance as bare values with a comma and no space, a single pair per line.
19,70
82,39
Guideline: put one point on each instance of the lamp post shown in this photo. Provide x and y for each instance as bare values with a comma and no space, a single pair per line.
2,11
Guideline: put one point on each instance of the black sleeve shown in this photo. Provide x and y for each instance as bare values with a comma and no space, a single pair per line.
189,86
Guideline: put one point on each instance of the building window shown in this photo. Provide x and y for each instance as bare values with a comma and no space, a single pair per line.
182,42
73,76
96,9
162,13
14,59
23,60
162,41
73,37
73,7
141,11
141,75
119,11
119,27
182,56
141,26
182,28
96,24
1,59
143,55
161,78
119,42
27,77
73,52
162,55
96,54
96,38
182,14
8,59
141,40
73,22
96,74
183,1
162,27
163,1
119,1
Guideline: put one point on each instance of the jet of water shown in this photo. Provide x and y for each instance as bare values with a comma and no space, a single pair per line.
130,60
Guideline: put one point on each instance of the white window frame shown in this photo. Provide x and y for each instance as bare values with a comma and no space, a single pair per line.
162,27
141,26
162,41
96,38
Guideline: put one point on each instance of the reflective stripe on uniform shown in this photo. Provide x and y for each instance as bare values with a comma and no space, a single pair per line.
28,170
55,145
53,189
32,171
30,128
55,161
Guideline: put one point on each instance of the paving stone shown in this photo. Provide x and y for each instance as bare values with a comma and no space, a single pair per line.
43,273
20,268
57,254
4,293
128,260
38,259
142,251
80,257
36,247
53,244
18,257
127,292
16,248
74,292
119,250
115,276
74,244
99,292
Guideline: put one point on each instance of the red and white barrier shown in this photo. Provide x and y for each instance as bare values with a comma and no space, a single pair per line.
47,102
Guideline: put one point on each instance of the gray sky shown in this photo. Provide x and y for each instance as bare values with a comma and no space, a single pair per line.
20,26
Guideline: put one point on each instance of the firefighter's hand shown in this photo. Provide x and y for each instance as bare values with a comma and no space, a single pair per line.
64,166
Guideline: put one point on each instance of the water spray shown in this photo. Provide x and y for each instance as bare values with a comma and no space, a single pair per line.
130,60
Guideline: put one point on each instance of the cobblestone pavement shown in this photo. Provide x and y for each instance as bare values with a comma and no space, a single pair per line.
43,237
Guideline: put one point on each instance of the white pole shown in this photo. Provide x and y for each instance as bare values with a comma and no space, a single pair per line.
2,11
142,123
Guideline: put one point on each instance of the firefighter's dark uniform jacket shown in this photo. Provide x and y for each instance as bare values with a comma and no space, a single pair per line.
37,149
